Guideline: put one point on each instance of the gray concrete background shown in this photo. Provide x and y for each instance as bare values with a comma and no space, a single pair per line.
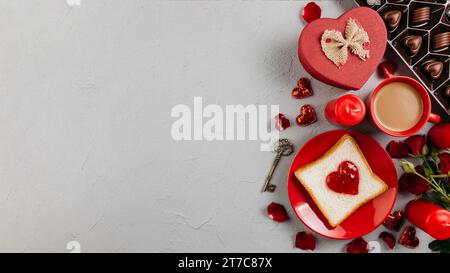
85,148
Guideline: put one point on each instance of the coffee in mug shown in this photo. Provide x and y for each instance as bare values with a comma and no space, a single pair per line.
398,106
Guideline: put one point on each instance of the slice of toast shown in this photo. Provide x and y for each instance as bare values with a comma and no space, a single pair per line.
336,207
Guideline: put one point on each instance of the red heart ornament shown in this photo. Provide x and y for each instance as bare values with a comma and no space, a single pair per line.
345,179
355,72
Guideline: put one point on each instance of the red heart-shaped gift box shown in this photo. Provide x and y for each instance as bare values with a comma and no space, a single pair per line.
355,72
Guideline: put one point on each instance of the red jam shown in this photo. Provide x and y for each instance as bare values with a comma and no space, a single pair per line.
345,179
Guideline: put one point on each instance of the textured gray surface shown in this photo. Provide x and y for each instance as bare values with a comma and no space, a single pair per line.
85,99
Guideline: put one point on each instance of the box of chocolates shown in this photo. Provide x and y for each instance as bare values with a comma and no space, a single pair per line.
419,32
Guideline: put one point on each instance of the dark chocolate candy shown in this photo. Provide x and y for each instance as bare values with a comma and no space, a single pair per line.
447,92
441,40
421,16
392,18
433,69
412,44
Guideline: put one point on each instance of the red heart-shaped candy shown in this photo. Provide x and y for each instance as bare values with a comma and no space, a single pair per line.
345,179
355,72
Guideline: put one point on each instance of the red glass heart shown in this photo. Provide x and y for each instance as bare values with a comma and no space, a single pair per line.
277,212
281,122
387,68
303,89
311,12
388,238
412,183
305,240
359,245
395,220
307,116
397,149
408,237
345,179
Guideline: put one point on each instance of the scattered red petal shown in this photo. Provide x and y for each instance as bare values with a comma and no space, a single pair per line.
395,220
387,68
311,12
444,163
303,89
305,240
397,149
281,122
416,144
388,238
307,115
277,212
412,183
408,237
359,245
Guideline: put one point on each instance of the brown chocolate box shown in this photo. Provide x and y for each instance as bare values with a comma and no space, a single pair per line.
426,19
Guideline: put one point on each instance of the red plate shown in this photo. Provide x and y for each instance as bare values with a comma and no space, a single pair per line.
366,218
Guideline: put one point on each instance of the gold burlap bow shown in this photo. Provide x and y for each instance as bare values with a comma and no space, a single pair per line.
336,47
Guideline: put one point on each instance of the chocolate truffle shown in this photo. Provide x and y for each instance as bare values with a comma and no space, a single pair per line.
441,40
392,18
412,43
433,69
447,14
447,92
421,16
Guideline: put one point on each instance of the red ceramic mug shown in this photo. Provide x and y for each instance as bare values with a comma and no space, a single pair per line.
427,116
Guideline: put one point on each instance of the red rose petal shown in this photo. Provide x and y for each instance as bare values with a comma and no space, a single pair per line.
395,220
359,245
408,237
412,183
397,149
307,116
305,240
416,144
277,212
281,122
303,89
387,68
311,12
444,163
388,238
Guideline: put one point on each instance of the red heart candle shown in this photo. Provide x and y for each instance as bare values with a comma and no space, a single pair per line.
348,110
355,72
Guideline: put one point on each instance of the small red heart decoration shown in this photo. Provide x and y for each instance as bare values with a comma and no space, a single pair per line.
307,115
395,220
408,237
345,179
355,72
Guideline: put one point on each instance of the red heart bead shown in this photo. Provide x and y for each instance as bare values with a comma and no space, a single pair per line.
311,12
408,237
345,179
395,220
303,89
307,116
359,245
281,122
388,238
277,212
305,240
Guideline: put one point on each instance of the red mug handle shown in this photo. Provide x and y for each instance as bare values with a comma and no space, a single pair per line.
434,118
